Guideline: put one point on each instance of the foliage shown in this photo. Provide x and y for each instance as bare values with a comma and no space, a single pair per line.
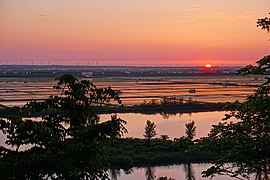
264,23
262,68
164,137
190,130
165,101
166,110
67,142
243,146
263,65
134,152
150,131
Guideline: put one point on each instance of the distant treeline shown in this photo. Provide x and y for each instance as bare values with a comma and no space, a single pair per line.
9,71
163,108
151,107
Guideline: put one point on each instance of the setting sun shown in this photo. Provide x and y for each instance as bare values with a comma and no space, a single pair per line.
208,65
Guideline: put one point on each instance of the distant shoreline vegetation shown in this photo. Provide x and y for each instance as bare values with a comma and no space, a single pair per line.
162,106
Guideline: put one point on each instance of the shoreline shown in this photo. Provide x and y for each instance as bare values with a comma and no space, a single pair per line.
170,108
134,152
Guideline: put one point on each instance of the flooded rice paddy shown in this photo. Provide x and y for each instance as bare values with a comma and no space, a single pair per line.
137,90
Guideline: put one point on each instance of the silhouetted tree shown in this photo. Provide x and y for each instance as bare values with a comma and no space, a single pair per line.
164,137
264,23
190,130
243,146
150,131
66,142
262,68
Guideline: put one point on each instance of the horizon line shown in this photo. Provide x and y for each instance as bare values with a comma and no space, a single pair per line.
85,65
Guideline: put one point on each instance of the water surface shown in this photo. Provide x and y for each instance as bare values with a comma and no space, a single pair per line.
178,172
172,125
135,91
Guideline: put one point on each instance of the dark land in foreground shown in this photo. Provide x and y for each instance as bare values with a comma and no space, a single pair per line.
126,153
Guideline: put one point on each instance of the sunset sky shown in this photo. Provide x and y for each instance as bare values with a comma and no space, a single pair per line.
132,32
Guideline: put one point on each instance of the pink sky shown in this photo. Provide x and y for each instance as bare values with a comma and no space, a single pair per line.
133,32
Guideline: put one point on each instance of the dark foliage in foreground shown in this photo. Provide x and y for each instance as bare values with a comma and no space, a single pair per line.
264,23
134,152
67,142
243,146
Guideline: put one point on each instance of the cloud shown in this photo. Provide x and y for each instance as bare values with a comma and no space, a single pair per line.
45,18
43,15
246,14
215,16
194,7
250,11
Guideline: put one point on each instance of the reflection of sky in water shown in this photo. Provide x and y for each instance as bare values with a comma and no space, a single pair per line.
176,171
172,125
2,138
135,91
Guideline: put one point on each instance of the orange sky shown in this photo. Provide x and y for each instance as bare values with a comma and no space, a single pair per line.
133,32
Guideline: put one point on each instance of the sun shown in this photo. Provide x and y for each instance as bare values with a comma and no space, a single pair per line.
208,65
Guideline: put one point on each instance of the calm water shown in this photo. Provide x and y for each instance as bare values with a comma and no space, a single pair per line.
172,125
178,172
135,91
